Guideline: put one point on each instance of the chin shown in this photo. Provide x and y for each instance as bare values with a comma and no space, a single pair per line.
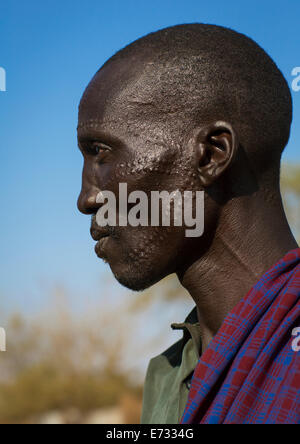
135,279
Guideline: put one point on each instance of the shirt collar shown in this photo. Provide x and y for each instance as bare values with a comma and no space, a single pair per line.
191,330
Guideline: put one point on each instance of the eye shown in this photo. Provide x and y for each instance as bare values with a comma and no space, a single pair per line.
99,148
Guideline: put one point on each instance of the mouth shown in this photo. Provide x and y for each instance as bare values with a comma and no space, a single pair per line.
101,236
100,248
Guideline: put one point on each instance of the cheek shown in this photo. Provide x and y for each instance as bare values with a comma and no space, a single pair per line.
140,175
162,171
140,242
146,165
148,247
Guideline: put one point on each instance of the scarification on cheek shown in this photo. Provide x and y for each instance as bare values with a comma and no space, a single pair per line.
165,169
147,245
163,164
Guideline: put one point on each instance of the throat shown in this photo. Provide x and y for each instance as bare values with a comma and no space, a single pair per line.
233,264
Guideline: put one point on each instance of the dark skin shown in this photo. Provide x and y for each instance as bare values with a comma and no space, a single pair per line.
123,139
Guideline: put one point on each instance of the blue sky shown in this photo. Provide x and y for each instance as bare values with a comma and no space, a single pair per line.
50,50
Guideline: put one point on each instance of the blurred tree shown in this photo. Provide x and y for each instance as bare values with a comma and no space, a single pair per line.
290,187
58,361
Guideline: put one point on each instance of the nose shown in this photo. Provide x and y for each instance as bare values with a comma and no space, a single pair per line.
87,200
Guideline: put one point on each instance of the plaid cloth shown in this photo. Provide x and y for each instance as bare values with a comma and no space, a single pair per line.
250,373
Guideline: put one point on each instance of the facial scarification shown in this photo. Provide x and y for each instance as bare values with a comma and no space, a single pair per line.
140,256
150,151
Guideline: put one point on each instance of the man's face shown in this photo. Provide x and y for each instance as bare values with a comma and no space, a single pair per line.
123,140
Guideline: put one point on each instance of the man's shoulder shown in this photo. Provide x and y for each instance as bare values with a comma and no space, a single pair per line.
172,356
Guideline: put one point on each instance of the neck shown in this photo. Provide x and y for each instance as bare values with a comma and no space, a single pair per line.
252,235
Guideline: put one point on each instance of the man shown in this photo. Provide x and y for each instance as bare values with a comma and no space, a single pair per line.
201,107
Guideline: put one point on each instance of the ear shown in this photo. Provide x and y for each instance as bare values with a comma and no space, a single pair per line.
215,145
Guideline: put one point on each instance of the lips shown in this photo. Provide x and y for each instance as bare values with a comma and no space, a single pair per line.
98,233
100,248
101,236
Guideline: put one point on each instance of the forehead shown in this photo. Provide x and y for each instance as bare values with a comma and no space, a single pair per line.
118,92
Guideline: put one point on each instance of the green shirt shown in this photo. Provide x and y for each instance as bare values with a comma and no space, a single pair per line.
169,375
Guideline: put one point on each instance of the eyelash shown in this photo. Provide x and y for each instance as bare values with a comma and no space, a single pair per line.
91,148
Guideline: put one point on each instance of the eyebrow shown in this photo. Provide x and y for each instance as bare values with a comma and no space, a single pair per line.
96,123
91,129
94,130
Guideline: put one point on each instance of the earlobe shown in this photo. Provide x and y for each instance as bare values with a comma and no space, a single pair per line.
216,146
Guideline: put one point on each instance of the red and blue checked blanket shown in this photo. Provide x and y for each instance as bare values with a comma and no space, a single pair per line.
250,373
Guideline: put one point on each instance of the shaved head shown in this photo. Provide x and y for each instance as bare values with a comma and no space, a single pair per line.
195,72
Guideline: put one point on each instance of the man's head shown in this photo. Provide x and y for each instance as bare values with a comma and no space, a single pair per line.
191,107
